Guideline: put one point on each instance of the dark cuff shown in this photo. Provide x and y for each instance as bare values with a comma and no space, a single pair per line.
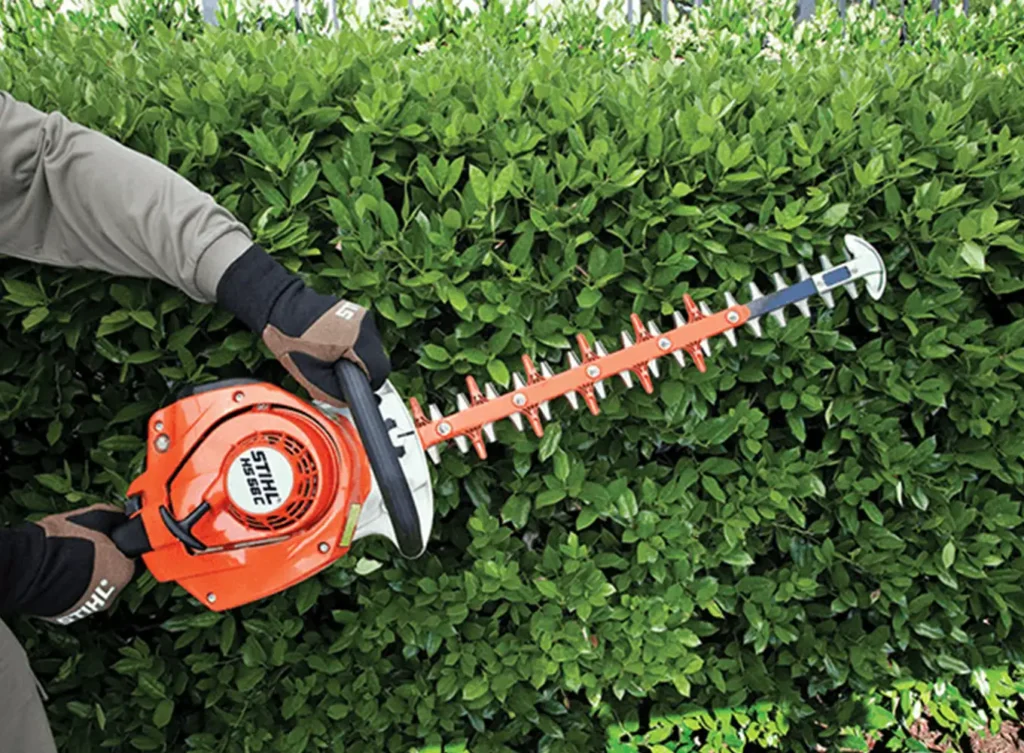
22,552
251,286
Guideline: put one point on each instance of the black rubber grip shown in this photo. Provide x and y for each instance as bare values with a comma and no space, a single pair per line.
394,487
131,538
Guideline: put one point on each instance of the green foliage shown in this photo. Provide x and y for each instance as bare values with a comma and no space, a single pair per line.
820,528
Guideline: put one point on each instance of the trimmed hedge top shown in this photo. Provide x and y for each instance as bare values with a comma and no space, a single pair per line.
828,512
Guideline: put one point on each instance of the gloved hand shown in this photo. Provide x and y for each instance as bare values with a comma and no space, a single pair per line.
306,331
66,567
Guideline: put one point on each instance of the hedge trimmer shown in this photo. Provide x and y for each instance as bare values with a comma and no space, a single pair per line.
249,489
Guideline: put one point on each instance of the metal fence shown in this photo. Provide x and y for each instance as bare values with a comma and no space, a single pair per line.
803,9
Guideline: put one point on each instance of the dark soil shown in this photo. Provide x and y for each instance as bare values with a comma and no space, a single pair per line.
1007,740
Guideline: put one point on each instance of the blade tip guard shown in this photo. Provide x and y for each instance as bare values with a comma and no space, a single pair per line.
869,263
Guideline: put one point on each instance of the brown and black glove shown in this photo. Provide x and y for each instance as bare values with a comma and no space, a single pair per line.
308,332
64,567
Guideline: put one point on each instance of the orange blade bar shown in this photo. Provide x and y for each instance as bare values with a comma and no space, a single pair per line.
526,399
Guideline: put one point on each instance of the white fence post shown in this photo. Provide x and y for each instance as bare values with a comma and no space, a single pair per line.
210,11
804,10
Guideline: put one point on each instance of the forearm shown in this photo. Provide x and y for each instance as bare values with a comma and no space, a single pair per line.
73,197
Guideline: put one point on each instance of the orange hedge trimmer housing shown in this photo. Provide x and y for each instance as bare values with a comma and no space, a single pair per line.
249,489
240,468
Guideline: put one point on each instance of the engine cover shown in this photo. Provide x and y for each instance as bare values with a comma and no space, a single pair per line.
247,491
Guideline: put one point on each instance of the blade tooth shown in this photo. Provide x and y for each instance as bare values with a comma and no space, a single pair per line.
599,390
679,320
645,382
517,383
655,331
488,428
755,322
492,394
627,377
652,365
730,301
547,373
571,395
802,305
536,424
435,415
730,334
601,352
779,314
706,310
462,404
850,287
698,361
827,295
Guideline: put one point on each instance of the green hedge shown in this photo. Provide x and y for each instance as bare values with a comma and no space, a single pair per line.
829,516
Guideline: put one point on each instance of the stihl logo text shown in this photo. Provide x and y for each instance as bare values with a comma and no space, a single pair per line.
347,310
260,479
96,602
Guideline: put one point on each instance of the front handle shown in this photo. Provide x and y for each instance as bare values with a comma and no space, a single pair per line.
394,486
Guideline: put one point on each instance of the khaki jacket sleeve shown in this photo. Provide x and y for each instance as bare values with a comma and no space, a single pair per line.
72,197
